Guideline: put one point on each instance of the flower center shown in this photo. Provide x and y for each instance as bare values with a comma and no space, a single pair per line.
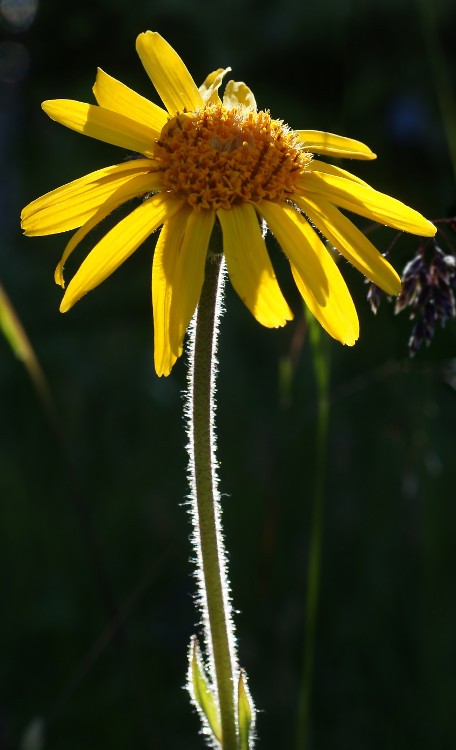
219,158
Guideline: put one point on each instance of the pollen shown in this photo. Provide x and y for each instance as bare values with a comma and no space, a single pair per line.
220,158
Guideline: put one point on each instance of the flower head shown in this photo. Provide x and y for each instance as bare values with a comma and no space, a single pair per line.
206,159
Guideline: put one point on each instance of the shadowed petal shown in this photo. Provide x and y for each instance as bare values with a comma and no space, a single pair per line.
117,245
114,95
329,144
173,82
177,280
73,204
365,201
250,268
316,275
102,124
352,243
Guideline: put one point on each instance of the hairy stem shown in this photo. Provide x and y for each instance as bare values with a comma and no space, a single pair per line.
206,512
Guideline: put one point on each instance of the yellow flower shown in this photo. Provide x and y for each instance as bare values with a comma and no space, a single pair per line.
206,159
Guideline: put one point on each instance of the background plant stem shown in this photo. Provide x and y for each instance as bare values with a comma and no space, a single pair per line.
441,75
320,357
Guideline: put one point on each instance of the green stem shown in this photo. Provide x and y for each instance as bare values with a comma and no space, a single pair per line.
206,512
321,367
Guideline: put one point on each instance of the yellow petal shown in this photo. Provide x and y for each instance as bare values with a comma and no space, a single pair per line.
352,243
173,82
188,280
237,94
115,96
365,201
320,166
329,144
102,124
177,280
73,204
133,188
209,89
250,268
316,275
117,245
166,258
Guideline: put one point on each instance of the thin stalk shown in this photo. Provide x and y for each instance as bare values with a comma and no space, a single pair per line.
205,502
320,356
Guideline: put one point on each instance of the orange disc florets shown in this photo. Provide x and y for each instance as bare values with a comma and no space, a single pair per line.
219,157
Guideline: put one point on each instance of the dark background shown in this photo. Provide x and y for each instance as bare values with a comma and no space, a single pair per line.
385,659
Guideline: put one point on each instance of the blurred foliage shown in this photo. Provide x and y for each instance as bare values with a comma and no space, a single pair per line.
113,495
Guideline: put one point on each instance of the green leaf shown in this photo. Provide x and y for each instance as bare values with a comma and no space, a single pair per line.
12,328
14,332
201,692
246,712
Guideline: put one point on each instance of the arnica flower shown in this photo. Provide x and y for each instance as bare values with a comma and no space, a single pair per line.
204,160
